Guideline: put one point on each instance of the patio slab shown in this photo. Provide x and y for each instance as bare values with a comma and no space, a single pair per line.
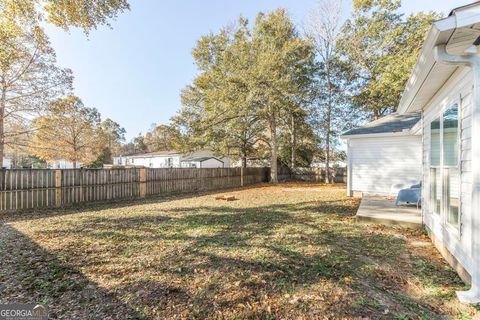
378,209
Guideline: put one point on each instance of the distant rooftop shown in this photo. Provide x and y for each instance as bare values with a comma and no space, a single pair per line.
389,124
152,154
199,159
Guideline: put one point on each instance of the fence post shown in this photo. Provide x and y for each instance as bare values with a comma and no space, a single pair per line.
143,182
241,176
58,187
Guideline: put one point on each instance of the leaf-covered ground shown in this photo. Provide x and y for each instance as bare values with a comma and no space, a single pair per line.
292,251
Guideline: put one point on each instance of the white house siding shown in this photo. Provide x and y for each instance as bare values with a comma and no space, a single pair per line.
156,161
170,160
62,164
208,153
7,163
212,163
377,163
458,241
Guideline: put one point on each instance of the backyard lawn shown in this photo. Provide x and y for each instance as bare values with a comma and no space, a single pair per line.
288,251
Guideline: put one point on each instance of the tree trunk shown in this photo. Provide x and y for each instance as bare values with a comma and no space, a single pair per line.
327,146
274,149
3,103
75,158
329,126
327,159
293,142
244,154
244,159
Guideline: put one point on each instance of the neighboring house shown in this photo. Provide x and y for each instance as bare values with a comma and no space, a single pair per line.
62,164
445,88
161,159
384,153
333,164
202,162
57,164
173,159
252,163
7,163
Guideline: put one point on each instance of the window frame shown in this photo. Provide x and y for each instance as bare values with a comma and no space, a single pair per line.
442,215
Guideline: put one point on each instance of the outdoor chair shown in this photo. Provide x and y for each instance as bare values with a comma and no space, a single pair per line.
395,188
410,195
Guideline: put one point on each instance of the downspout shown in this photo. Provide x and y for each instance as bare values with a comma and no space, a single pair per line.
424,183
472,60
349,169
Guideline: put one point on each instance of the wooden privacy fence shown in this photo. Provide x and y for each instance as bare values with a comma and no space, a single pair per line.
22,189
337,175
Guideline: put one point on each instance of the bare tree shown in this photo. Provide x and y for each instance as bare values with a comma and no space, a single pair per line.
322,25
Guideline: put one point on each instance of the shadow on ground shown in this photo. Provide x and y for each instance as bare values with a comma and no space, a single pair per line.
284,260
29,274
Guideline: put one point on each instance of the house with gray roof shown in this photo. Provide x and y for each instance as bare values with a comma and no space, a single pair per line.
442,148
384,153
173,159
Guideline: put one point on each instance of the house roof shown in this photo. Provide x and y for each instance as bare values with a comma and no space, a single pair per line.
200,159
458,32
392,123
154,154
464,6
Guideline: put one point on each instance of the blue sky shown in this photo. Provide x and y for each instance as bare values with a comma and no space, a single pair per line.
133,72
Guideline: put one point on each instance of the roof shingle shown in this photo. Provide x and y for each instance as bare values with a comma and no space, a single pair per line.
389,124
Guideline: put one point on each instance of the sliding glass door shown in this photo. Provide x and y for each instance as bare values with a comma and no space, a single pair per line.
445,166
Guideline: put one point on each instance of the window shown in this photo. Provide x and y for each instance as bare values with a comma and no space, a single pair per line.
451,164
435,177
444,166
170,162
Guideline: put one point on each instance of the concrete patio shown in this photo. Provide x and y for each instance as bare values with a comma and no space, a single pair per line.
381,210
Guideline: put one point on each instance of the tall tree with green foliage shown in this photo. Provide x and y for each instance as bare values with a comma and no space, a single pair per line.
282,73
249,82
381,45
162,137
218,112
226,129
84,14
139,144
297,141
114,135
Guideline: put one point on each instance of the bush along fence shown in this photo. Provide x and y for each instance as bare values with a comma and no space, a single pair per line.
23,189
337,175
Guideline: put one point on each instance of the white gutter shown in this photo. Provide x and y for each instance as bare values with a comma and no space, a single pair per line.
472,60
440,31
407,132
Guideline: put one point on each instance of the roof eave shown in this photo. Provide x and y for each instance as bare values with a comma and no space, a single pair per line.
425,62
146,155
379,135
419,90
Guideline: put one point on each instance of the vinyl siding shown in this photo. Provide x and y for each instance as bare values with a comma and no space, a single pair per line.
380,162
212,163
457,90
